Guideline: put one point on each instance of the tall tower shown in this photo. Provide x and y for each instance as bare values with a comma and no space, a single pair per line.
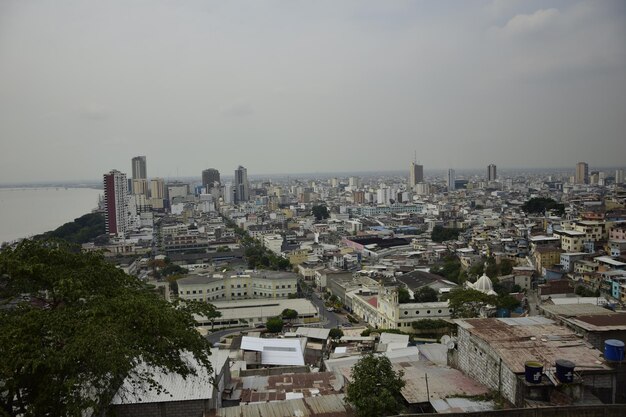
619,176
210,178
451,180
582,173
116,211
139,168
242,186
491,172
416,174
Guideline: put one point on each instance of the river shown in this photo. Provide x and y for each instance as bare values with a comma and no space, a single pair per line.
25,212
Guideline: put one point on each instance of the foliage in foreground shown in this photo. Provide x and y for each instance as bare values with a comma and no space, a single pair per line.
375,387
73,327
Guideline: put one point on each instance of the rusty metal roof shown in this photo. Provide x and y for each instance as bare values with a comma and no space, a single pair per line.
600,323
325,406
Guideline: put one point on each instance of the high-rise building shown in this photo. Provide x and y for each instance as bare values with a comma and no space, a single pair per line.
582,173
416,174
157,188
451,180
140,186
619,176
491,172
210,178
242,186
139,167
116,211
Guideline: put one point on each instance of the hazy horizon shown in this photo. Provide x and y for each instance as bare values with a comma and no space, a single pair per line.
308,87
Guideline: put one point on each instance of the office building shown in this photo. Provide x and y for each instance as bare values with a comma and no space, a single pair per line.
139,167
451,180
491,172
116,211
619,176
157,188
210,179
582,173
140,186
242,186
416,174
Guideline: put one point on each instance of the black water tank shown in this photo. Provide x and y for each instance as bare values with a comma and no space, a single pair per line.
565,370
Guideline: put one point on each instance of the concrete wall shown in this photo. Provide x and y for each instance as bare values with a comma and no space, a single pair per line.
570,411
165,409
479,361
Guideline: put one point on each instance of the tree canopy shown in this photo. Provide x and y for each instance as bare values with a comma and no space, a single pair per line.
375,387
403,295
426,295
441,234
466,303
274,324
81,230
542,204
73,327
289,314
320,212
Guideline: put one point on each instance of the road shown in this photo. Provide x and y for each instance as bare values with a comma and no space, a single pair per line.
329,318
217,335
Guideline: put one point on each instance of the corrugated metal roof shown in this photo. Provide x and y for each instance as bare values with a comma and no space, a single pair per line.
460,405
313,332
324,406
176,388
275,351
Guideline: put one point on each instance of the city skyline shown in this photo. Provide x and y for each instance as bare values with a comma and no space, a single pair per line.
308,87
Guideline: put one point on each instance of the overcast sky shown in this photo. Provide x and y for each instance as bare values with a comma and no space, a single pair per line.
308,86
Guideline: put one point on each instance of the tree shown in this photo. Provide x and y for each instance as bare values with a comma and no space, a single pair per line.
274,325
375,387
335,333
320,212
73,328
441,234
506,267
466,303
81,230
403,295
426,295
289,314
542,204
507,302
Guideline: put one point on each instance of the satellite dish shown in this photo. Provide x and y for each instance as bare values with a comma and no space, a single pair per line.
445,339
451,345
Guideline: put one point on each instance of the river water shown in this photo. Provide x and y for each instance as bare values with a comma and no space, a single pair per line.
26,212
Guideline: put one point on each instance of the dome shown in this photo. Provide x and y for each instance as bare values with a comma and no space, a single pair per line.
484,285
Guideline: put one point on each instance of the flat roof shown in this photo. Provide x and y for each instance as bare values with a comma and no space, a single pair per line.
326,405
286,352
609,260
600,322
572,310
519,340
243,309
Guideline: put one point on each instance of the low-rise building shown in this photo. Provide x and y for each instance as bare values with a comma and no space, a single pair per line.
239,286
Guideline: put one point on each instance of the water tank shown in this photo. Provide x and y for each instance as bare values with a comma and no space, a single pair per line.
533,371
614,350
565,370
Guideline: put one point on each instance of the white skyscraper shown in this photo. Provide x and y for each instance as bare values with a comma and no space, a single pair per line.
116,210
451,180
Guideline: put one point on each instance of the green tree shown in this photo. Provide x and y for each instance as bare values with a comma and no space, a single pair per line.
507,301
506,267
403,295
466,303
274,325
335,333
320,212
442,234
73,328
289,314
375,387
426,295
81,230
539,205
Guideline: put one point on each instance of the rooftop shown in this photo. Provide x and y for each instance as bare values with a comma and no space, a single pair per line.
519,340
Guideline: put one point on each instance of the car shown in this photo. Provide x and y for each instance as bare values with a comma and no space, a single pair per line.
260,326
330,309
346,324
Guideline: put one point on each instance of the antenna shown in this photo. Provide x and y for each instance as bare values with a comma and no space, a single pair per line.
415,156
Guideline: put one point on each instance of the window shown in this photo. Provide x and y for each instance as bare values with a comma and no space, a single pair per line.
427,311
406,312
439,311
417,312
193,292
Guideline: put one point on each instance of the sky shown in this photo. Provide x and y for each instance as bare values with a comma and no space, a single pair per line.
292,86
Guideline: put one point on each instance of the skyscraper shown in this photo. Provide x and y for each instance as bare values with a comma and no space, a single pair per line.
416,174
491,172
116,213
451,180
157,188
582,173
210,178
242,186
619,176
139,167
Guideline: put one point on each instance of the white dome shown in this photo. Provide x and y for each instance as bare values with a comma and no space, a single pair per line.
484,285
